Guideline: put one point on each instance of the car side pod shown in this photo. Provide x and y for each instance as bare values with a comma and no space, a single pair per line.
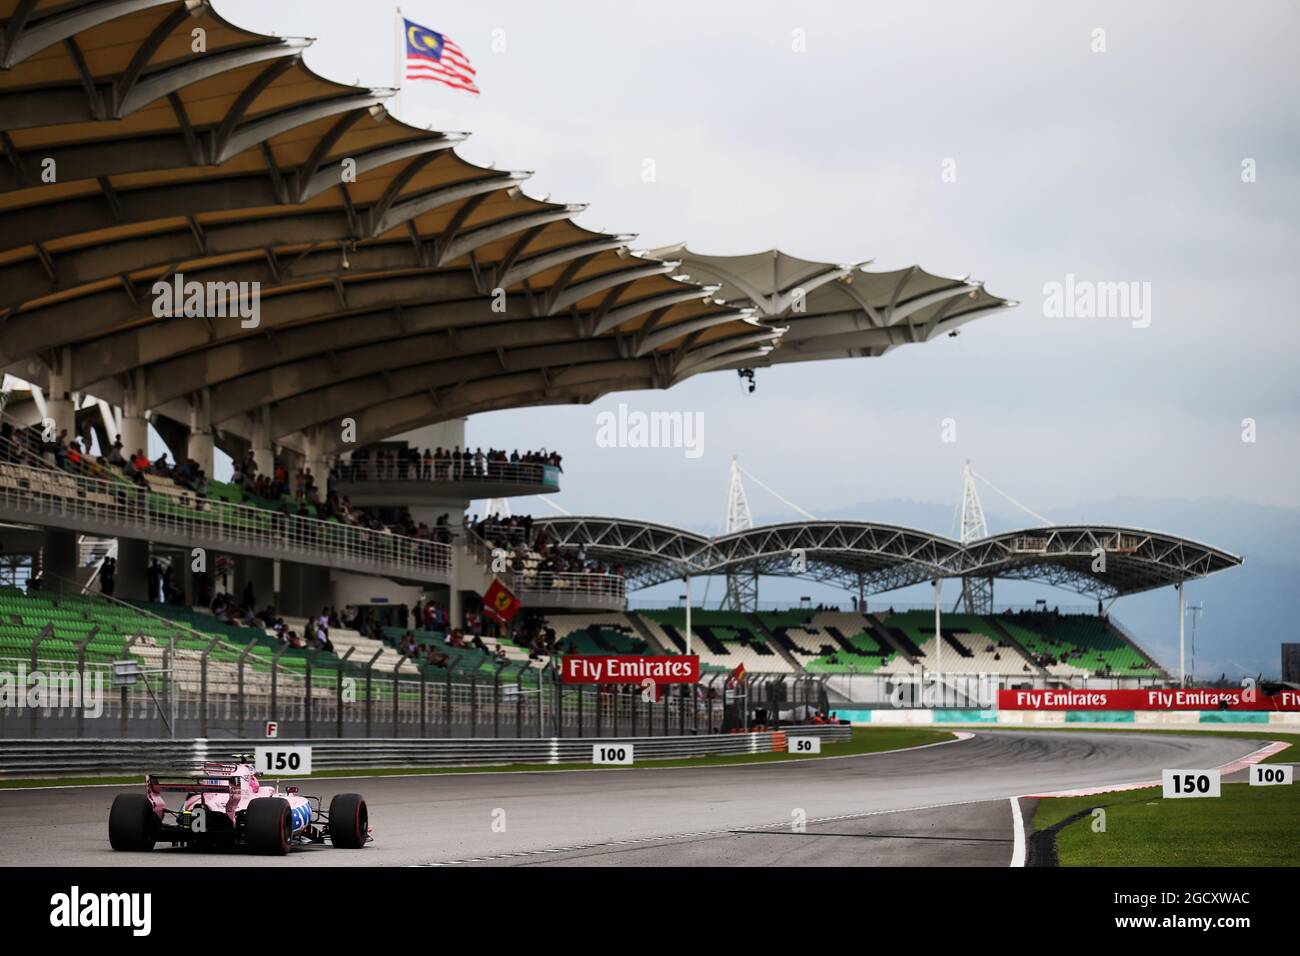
268,826
349,823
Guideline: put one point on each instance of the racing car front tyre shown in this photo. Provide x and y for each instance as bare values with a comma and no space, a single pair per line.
132,824
349,821
268,825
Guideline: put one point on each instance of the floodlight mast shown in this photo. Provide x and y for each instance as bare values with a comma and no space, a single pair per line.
1196,610
742,586
976,592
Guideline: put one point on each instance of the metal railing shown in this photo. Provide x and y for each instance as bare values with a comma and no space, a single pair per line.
196,683
228,690
97,505
572,589
878,608
497,536
46,758
448,470
223,689
580,589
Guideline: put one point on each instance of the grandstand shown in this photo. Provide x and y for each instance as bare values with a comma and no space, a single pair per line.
377,334
724,639
599,634
1025,644
970,644
1077,644
832,642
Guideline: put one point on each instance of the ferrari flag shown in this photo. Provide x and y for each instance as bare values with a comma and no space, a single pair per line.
499,603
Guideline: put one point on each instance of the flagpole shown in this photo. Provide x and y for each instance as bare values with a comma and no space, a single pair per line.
397,64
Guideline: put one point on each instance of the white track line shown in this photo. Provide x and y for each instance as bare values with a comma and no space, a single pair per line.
1018,828
1018,852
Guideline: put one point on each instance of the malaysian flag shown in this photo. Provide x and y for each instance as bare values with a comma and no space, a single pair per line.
432,56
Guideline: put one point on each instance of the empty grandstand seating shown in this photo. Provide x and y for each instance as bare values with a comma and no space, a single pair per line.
463,660
112,632
146,631
598,634
723,639
831,642
1070,645
970,644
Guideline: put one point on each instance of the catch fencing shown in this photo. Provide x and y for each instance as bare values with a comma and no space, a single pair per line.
225,690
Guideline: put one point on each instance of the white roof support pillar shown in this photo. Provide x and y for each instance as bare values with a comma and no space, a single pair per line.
1182,647
135,417
109,417
263,454
201,445
938,643
315,458
60,403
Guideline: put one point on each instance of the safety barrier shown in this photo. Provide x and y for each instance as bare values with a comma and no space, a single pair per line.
70,757
1199,719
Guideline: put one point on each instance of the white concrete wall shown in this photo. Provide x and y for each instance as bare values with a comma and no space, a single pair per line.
360,589
447,434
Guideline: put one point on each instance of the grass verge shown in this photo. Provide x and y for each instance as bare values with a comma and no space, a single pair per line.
1247,826
865,740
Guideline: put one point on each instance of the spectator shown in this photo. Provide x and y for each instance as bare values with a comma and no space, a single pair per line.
61,447
155,576
108,577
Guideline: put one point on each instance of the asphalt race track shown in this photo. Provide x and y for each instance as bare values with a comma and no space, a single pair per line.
954,796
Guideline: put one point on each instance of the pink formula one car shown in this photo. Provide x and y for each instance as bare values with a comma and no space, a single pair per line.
228,806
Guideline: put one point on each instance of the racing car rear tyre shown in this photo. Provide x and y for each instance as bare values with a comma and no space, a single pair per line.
268,825
349,821
132,824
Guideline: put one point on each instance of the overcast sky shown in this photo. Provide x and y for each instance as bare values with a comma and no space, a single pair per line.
1122,165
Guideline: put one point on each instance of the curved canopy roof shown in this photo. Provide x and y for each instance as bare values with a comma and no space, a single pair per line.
1097,560
838,310
649,553
128,157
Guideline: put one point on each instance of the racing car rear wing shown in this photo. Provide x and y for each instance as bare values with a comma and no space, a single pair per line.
210,784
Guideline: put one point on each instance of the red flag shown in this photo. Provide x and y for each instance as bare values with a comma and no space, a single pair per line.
499,603
739,673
